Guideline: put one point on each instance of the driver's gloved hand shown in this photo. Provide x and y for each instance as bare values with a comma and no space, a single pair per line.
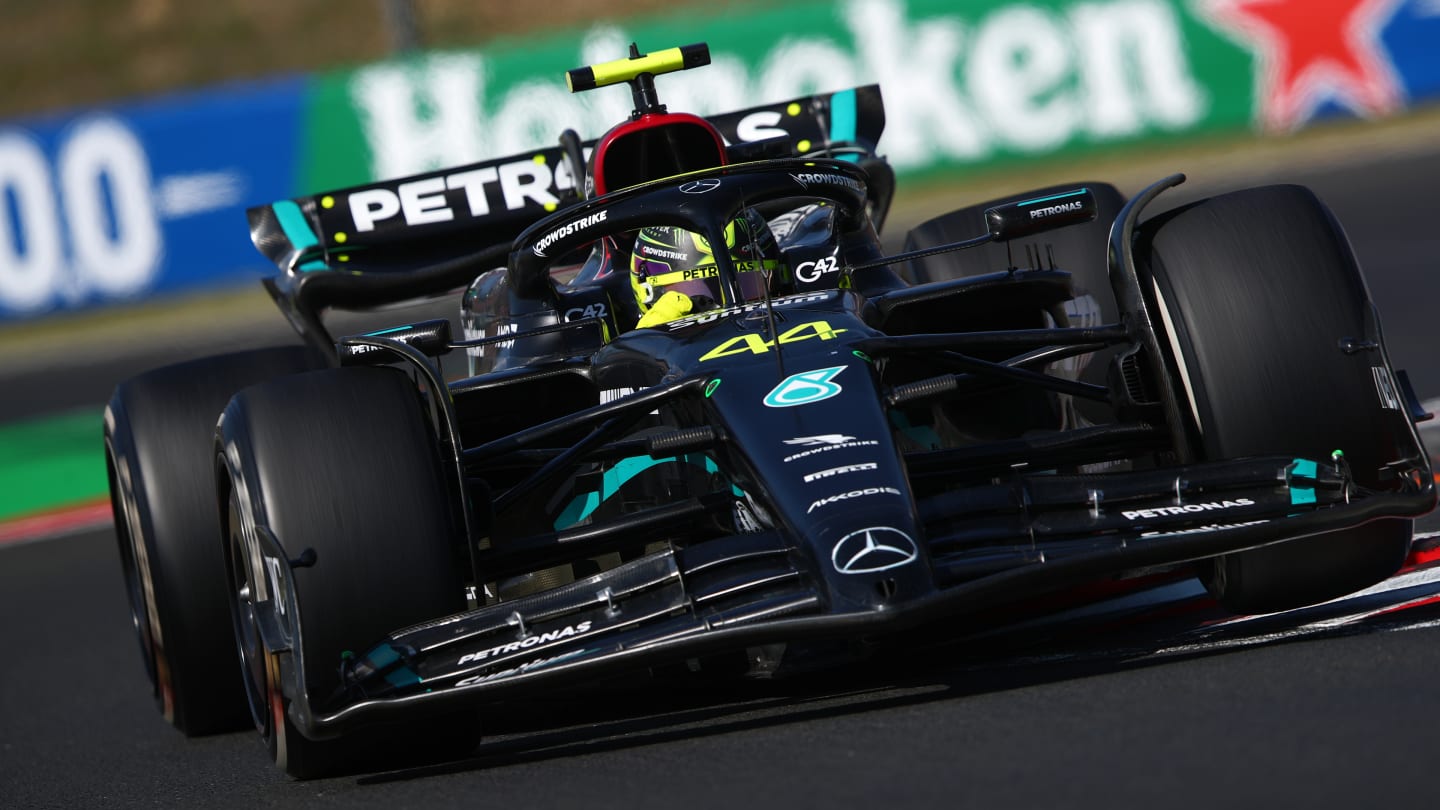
666,308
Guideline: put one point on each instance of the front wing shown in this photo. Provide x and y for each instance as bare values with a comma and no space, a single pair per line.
987,546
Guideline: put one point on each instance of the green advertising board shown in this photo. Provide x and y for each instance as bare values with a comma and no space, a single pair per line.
148,198
965,83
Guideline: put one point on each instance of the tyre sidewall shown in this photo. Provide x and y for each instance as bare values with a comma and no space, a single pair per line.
158,433
341,463
1257,290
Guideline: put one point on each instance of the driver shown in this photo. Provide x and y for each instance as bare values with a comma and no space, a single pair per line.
673,271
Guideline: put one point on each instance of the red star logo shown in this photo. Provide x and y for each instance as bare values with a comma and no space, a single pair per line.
1312,51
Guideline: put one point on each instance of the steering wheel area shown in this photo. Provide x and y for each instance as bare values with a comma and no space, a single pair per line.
703,202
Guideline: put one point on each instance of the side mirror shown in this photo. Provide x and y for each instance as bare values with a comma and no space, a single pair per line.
431,338
1027,217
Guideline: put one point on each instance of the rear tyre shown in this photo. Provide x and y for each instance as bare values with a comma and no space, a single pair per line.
159,440
1257,290
341,464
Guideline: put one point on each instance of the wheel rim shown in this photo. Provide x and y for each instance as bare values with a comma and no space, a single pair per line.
122,505
249,644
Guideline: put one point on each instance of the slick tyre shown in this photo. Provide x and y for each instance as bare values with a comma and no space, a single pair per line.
1258,291
159,441
340,468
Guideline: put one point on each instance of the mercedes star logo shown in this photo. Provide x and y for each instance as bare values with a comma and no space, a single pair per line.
877,548
700,186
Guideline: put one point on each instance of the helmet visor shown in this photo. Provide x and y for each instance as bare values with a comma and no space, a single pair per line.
663,277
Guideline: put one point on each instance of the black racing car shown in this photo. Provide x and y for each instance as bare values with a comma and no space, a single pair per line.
703,415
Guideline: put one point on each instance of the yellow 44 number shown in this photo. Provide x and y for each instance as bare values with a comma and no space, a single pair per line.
754,344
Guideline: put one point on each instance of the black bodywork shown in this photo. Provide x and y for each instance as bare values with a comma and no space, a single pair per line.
854,457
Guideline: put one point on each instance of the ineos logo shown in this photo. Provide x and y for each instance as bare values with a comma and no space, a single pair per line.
700,186
877,548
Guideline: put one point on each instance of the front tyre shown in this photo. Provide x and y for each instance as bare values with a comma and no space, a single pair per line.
340,467
159,440
1277,346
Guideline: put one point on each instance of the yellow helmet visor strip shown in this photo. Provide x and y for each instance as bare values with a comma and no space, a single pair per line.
711,271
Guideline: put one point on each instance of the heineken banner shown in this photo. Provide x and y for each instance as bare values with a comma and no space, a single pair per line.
148,198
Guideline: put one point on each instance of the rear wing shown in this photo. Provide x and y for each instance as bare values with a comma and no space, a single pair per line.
395,226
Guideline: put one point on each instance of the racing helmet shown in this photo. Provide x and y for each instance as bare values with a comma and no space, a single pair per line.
669,259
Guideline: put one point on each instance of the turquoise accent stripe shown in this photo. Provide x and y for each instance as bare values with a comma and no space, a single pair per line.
293,223
382,656
842,120
578,510
627,468
1053,197
297,230
1302,468
402,677
392,329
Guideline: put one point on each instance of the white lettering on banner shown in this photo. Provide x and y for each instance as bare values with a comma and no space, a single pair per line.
801,66
925,112
102,197
401,142
1132,68
427,115
535,112
1018,64
100,154
726,85
958,87
184,195
29,264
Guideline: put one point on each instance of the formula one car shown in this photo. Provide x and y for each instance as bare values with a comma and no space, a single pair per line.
702,414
